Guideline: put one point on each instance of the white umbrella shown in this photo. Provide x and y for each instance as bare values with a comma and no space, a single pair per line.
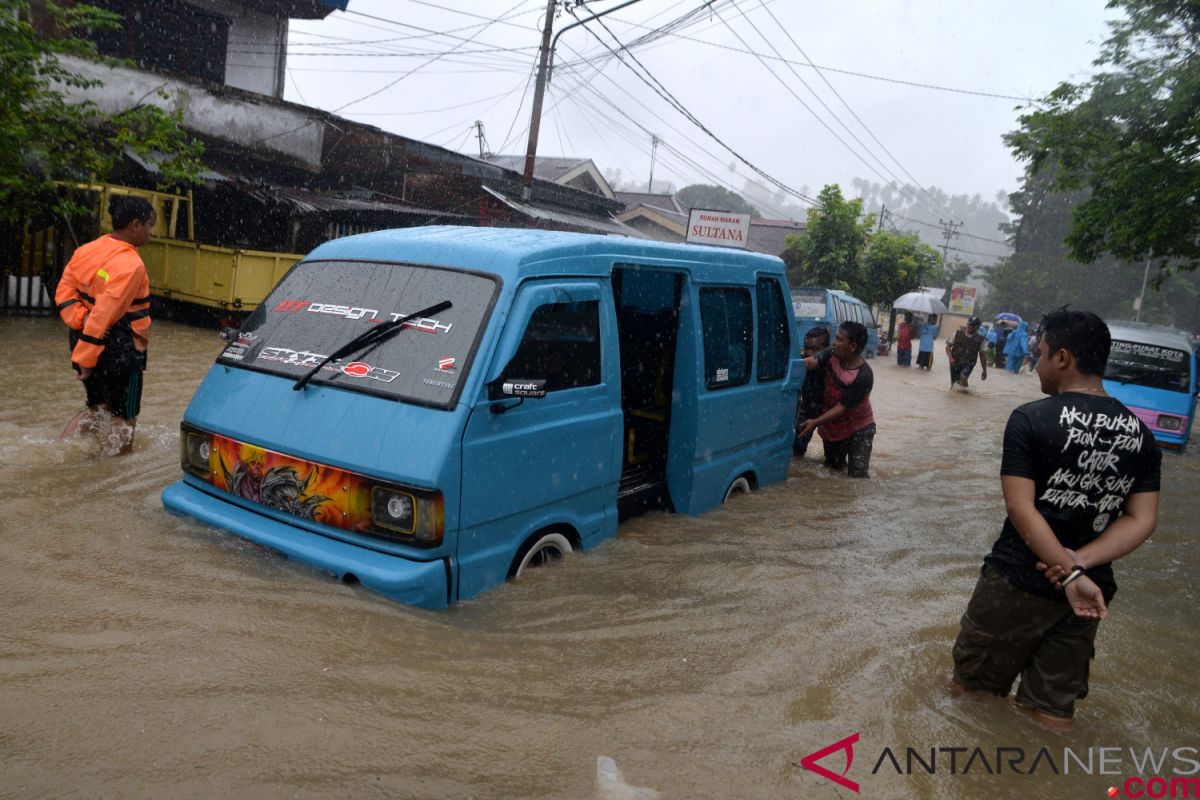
919,302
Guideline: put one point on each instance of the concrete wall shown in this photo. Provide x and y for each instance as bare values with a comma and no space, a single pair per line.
239,120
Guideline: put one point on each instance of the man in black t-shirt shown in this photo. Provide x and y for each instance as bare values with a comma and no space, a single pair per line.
1080,475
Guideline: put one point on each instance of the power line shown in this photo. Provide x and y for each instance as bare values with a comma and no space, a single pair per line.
869,76
665,94
638,142
838,95
391,83
968,235
445,34
587,83
809,108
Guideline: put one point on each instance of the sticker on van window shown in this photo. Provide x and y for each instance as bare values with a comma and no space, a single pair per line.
235,351
373,315
304,358
446,364
1149,351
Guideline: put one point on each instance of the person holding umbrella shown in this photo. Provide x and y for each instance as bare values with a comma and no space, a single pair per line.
922,303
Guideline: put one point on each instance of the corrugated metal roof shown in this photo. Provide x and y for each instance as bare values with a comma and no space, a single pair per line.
534,211
305,201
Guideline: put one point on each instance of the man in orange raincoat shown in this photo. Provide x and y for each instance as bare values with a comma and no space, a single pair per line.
104,298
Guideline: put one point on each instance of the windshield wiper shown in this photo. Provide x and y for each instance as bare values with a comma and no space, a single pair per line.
375,335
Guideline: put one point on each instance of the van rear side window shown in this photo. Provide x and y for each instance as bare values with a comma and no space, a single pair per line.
728,336
774,341
320,306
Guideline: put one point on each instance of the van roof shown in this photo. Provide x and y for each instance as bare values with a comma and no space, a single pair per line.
509,252
1151,334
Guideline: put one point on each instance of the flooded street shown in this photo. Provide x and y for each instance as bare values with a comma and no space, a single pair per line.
144,655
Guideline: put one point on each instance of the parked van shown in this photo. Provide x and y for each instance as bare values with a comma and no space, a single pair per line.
829,308
430,411
1152,370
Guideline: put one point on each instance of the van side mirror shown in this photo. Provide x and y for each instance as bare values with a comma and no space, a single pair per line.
516,387
520,388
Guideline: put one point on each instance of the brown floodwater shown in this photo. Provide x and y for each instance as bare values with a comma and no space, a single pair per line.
146,656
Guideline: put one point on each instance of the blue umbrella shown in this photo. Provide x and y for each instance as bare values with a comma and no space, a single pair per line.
1009,317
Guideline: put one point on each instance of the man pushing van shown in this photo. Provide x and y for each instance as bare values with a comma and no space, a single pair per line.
847,423
104,299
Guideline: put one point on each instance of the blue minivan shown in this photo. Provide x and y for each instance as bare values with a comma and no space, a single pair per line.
1152,370
829,308
431,411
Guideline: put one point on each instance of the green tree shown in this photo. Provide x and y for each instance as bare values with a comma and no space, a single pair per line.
829,252
46,137
894,263
956,271
1042,275
1125,142
714,198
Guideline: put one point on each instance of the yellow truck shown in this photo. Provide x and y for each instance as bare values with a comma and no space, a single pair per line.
181,269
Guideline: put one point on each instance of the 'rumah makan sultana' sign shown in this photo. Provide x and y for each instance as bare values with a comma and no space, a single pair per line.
723,228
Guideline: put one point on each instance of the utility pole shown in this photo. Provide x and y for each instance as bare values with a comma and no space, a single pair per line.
1142,297
653,149
949,231
482,139
883,213
535,122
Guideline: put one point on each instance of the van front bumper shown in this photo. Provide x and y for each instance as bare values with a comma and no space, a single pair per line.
419,583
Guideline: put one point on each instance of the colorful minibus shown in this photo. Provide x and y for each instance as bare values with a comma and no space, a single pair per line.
432,411
829,308
1152,370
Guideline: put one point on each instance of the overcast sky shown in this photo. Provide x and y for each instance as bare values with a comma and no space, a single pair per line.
417,71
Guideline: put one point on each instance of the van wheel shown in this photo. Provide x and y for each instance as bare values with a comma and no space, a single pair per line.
546,549
739,486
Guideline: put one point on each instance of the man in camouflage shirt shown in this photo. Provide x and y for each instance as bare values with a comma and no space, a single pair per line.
963,350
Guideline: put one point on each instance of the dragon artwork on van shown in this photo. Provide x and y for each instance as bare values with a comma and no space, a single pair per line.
280,488
293,485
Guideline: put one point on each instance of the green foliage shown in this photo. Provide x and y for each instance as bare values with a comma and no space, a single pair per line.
1125,143
714,198
895,263
838,250
829,252
46,137
1042,275
956,271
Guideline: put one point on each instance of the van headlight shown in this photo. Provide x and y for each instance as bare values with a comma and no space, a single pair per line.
410,516
1170,423
195,452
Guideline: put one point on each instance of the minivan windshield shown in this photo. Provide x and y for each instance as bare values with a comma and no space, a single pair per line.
319,306
1148,365
808,303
